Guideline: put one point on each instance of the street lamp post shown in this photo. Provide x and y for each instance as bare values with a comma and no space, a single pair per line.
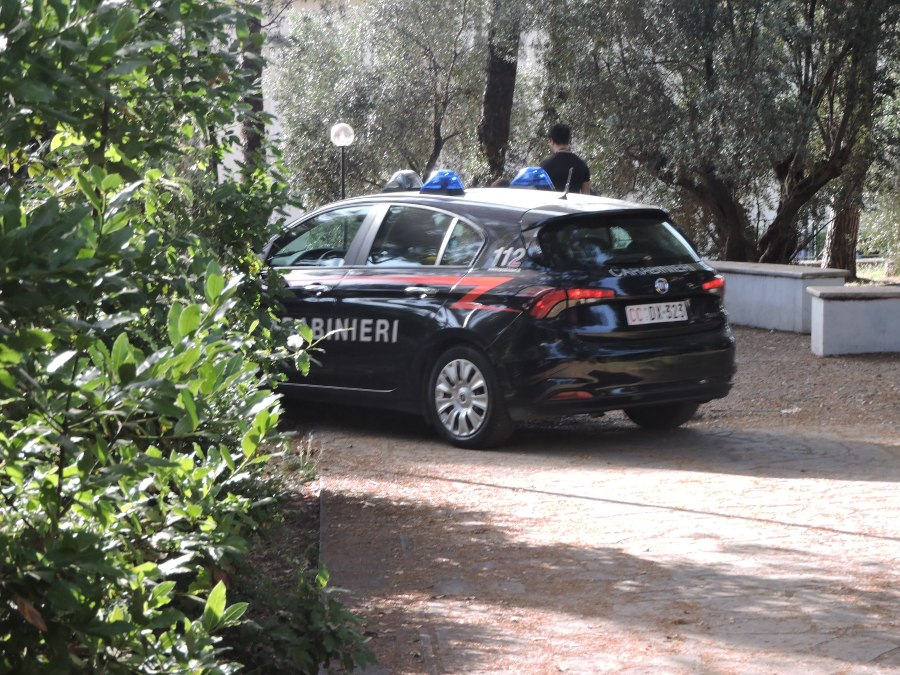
342,135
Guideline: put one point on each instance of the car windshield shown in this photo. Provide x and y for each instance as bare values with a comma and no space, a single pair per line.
595,242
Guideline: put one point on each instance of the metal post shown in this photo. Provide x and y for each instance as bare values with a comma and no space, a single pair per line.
342,135
342,172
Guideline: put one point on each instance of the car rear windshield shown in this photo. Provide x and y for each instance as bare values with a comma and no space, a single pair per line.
595,242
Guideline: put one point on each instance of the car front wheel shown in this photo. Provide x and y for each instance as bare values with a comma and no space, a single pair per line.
662,416
466,406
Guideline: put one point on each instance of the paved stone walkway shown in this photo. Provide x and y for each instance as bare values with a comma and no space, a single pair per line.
595,548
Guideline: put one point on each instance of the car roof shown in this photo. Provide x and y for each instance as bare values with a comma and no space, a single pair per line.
529,207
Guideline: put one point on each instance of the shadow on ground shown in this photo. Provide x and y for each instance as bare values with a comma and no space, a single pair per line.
431,578
613,441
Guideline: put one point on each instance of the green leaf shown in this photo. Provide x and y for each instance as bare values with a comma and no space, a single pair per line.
8,355
215,282
129,66
179,565
112,182
190,406
32,91
215,606
127,372
115,222
189,321
161,594
89,190
302,362
174,323
231,615
226,455
250,442
121,351
108,630
305,332
31,339
15,473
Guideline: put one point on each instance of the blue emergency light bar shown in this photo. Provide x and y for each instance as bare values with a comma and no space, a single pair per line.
443,182
532,177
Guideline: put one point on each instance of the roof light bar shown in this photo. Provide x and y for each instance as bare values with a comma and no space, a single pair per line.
403,180
443,182
532,177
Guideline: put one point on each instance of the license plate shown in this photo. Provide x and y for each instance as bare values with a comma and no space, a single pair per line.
657,312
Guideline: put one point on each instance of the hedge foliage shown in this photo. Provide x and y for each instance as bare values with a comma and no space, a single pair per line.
138,346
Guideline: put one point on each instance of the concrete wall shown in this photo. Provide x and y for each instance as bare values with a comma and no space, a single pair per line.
773,296
854,319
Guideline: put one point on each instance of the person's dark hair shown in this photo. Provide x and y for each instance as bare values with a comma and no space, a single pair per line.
560,134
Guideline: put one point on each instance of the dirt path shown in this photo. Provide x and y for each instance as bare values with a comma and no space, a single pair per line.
762,538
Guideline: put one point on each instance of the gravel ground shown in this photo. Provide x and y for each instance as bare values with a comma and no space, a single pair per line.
780,383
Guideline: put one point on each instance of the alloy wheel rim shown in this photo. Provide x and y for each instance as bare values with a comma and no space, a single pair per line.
461,398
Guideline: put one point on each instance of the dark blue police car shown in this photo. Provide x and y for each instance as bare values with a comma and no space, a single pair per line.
479,308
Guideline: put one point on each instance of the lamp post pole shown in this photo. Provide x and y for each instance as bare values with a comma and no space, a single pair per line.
343,149
342,135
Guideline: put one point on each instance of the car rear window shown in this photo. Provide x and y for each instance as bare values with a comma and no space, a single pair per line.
596,242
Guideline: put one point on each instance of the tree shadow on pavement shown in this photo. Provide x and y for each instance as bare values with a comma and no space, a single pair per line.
613,441
781,454
453,590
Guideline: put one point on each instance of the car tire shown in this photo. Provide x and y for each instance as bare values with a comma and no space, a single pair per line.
662,416
465,404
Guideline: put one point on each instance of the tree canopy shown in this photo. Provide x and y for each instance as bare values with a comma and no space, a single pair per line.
742,115
406,78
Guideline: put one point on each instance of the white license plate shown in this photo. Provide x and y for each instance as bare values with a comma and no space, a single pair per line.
658,312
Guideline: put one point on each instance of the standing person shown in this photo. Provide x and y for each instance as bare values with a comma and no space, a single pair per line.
563,160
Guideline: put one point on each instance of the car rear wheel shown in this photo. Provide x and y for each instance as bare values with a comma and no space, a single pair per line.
465,404
662,416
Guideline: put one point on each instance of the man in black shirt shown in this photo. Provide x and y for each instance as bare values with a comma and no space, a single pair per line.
563,160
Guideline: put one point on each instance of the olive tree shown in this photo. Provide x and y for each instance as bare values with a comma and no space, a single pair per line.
406,78
748,109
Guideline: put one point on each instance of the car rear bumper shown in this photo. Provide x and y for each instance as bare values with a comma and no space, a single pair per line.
578,377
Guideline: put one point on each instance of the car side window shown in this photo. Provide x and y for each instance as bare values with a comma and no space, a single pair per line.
409,237
322,240
462,246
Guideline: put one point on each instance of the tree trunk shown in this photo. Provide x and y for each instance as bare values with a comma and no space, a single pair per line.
252,127
503,60
437,146
843,232
781,240
728,215
840,241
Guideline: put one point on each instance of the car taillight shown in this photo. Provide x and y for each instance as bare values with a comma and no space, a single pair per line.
549,302
716,285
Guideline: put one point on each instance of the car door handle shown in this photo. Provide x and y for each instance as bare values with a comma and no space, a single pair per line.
318,289
421,291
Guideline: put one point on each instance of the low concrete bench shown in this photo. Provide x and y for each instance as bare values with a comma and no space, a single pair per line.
854,319
773,296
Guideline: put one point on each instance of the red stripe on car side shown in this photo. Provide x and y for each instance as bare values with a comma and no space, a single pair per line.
481,286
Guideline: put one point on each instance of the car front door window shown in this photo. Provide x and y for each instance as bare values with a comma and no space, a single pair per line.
321,241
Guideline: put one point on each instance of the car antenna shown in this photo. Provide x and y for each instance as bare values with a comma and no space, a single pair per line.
568,183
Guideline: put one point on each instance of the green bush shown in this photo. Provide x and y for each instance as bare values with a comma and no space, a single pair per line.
138,346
